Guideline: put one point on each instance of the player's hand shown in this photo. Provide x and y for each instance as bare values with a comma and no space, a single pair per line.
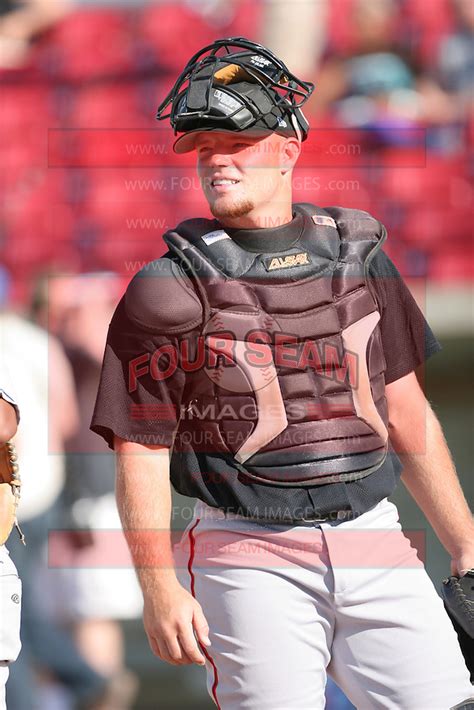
170,616
463,563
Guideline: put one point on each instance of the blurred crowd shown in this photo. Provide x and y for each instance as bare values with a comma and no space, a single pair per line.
89,184
90,181
73,648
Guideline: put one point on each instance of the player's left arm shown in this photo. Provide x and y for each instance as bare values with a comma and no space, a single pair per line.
429,472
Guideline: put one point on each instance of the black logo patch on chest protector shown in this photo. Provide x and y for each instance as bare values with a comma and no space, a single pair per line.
285,262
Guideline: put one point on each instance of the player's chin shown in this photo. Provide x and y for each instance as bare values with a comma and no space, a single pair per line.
223,198
226,206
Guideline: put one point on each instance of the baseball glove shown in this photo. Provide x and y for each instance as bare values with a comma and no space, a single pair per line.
458,599
10,484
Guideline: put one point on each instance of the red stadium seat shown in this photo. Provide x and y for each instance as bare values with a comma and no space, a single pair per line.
34,233
174,32
36,192
126,256
428,22
435,225
103,147
327,186
108,106
339,25
91,43
124,213
246,22
433,183
23,104
453,265
335,147
101,192
183,188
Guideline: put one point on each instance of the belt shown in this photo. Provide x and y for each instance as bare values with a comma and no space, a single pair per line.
309,521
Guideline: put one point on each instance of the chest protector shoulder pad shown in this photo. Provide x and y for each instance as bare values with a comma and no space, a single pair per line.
161,299
287,382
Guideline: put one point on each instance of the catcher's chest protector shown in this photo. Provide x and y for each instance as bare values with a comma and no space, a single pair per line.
288,381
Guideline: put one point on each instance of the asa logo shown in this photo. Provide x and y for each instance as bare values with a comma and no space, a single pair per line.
285,262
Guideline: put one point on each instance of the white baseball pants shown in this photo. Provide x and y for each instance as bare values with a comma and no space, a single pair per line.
286,605
10,613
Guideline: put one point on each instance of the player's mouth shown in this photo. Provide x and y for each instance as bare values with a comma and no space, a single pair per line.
219,185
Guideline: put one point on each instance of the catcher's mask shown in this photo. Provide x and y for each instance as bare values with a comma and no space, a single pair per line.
233,85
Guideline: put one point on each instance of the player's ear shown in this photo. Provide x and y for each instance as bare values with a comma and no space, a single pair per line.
290,150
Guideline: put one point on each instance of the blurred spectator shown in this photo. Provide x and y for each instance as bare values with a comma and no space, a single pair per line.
378,82
49,415
216,12
297,32
21,21
374,24
84,597
446,86
373,84
456,55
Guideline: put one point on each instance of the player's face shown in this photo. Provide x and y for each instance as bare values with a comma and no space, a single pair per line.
240,174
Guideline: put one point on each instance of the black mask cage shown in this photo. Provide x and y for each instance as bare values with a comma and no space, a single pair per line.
235,83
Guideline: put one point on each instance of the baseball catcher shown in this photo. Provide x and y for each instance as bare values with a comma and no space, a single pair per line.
265,365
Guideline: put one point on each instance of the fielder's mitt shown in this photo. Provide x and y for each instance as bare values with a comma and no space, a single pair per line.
459,603
10,484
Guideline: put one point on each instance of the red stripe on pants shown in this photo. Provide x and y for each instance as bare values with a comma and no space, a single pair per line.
203,648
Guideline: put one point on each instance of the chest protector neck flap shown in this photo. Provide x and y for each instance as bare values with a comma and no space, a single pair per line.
288,377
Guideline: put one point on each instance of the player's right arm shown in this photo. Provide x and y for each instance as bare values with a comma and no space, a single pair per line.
138,415
143,494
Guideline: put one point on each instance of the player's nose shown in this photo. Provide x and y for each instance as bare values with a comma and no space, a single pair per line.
217,158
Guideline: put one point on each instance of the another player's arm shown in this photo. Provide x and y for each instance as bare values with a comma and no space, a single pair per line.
429,472
143,494
8,421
